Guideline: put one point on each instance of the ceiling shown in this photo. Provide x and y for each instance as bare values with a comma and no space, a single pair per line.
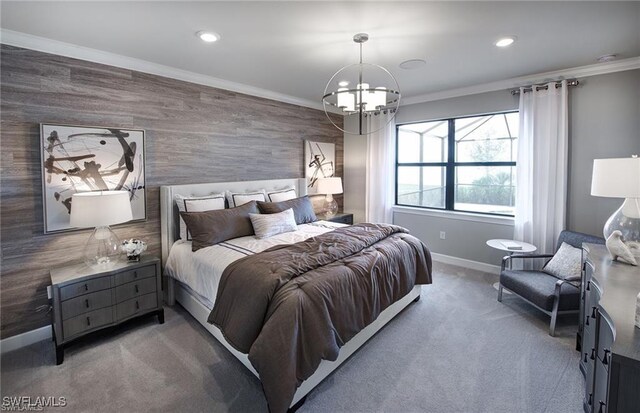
293,48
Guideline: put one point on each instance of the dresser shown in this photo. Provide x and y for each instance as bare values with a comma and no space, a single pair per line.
86,299
608,340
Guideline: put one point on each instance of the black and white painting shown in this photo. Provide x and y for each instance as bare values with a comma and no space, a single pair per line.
80,159
320,161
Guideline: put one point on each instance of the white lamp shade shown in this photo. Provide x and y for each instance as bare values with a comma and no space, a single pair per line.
616,178
99,209
330,186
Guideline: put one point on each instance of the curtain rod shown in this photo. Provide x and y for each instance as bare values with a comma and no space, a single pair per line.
572,82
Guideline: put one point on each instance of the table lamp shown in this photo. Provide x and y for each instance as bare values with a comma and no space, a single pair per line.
101,209
330,186
620,178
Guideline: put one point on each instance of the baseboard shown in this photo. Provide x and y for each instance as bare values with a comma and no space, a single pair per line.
462,262
25,339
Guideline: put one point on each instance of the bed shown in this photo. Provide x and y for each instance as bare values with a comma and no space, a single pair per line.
181,268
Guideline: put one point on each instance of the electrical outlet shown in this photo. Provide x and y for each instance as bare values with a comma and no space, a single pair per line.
443,235
49,292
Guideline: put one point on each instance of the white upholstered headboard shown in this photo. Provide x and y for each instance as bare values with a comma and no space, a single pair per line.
169,222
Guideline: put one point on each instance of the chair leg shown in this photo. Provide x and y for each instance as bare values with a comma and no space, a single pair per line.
554,317
499,292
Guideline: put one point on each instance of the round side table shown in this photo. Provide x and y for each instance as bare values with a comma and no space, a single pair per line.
525,248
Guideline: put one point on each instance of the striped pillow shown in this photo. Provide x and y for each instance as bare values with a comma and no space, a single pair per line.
268,225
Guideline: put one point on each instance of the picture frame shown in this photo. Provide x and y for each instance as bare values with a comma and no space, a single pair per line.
319,162
86,158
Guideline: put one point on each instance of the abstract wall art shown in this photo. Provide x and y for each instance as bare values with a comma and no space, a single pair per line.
80,159
319,161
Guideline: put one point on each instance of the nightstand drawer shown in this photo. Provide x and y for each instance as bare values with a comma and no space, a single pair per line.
140,304
85,287
86,303
135,289
346,219
137,274
87,321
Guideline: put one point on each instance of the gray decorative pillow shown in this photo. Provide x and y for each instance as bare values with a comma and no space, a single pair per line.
268,225
197,204
302,209
211,227
565,263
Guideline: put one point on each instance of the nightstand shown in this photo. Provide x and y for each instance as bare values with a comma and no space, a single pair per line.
340,217
85,299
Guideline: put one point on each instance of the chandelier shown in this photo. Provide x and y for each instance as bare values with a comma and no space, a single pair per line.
361,90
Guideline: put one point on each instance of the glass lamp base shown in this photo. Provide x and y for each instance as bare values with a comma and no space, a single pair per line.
626,220
330,206
102,249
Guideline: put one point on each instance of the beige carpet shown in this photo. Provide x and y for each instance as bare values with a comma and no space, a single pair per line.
456,350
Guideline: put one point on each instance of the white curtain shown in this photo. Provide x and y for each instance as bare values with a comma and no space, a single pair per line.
541,182
380,180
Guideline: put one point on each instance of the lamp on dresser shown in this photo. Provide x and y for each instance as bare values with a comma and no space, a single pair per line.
330,187
620,178
99,210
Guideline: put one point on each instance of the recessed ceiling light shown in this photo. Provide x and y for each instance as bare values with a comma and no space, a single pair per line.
208,37
343,83
506,41
412,64
607,58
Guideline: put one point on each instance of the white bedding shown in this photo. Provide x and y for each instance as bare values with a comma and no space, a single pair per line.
201,270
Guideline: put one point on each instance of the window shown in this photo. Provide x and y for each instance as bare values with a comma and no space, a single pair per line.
462,164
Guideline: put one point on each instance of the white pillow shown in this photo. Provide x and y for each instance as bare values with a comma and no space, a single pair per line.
567,262
282,195
197,204
268,225
239,198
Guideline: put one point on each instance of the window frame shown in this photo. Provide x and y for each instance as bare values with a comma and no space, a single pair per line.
450,165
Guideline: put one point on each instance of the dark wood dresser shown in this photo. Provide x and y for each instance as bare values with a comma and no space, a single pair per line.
85,299
607,336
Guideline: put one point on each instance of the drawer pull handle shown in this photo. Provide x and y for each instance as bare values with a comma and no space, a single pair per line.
602,404
88,321
86,287
137,290
587,320
135,274
585,357
86,303
137,305
590,399
593,354
593,312
606,353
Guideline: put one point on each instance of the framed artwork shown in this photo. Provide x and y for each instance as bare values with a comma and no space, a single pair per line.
79,159
319,161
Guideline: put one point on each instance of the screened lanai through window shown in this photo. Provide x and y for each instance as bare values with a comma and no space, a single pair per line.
463,164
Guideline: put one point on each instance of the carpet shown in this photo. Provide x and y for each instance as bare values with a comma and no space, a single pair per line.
455,350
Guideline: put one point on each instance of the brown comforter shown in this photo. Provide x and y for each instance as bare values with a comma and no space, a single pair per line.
291,306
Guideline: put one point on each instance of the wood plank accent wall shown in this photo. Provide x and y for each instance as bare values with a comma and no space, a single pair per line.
193,134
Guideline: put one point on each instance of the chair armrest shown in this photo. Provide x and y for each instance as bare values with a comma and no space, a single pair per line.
506,258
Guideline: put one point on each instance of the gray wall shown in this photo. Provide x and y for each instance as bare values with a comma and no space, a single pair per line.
604,122
193,134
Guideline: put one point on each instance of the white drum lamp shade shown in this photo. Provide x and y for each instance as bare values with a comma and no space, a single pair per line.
99,210
619,178
330,186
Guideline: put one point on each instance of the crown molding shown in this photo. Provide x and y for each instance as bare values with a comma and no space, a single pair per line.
574,72
41,44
